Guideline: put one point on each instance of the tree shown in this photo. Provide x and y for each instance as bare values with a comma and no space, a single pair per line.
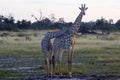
61,20
102,25
52,18
39,18
24,24
7,23
117,24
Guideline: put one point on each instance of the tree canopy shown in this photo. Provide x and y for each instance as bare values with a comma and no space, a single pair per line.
9,24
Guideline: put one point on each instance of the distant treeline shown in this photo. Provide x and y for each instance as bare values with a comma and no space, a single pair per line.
9,24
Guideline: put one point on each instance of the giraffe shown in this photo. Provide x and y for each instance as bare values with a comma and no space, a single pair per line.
67,41
46,45
64,39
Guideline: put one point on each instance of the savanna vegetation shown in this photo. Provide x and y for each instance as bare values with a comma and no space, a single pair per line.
21,57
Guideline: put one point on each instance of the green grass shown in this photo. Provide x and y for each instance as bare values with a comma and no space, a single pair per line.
8,73
94,54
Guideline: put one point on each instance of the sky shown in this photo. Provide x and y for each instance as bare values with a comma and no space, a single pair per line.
68,9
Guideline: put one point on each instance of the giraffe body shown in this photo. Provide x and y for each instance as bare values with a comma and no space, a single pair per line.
46,41
63,42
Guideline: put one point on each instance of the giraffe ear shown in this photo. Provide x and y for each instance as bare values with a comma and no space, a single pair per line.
86,8
79,8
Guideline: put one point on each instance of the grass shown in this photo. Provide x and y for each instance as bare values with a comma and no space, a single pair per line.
94,54
9,73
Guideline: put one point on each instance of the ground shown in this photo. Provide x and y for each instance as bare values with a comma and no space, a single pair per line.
96,57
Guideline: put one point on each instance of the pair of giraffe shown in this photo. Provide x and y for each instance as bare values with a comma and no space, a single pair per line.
63,40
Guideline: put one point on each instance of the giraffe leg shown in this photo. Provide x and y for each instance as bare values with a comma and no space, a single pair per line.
59,62
50,72
54,64
46,66
50,61
55,53
60,71
70,64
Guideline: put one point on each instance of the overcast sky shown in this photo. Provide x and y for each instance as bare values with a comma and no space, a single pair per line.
68,9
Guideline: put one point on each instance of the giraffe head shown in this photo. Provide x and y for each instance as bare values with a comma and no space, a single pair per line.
83,8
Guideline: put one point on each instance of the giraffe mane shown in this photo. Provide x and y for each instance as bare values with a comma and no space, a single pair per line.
53,30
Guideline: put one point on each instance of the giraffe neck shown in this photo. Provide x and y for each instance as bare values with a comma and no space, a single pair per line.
78,19
75,27
72,30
